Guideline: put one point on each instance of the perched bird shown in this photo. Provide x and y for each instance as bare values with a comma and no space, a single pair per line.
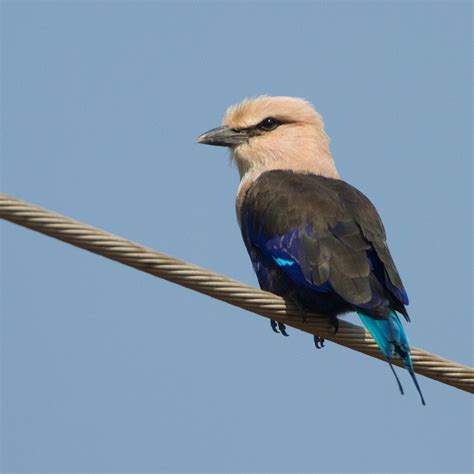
312,238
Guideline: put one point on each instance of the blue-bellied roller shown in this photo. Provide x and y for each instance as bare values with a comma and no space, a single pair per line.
313,238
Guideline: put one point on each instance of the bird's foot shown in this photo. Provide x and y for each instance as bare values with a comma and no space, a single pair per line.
282,329
273,324
278,327
318,342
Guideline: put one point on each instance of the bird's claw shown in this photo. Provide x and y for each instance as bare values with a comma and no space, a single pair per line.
278,327
273,324
318,342
282,329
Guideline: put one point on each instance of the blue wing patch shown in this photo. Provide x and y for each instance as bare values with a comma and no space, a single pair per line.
282,262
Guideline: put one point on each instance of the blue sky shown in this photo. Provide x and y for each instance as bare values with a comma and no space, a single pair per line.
108,369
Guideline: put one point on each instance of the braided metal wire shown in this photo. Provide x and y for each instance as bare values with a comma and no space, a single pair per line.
220,287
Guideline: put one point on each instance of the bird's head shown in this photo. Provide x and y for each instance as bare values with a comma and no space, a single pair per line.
266,133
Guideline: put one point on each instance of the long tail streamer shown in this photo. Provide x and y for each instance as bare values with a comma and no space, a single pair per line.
393,341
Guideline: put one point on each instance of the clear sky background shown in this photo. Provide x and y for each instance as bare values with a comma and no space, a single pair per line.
108,369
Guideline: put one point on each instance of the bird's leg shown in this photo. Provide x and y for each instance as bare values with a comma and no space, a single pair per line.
335,323
303,310
304,314
318,342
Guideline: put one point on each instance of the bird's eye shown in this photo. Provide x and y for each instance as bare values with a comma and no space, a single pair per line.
269,124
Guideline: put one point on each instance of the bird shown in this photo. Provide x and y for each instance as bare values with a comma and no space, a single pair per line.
312,238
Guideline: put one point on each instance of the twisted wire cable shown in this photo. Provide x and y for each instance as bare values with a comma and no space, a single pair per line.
221,287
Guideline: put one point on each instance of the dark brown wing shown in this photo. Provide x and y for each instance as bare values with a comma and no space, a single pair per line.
324,234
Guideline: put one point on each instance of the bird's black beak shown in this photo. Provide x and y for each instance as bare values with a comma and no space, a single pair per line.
223,136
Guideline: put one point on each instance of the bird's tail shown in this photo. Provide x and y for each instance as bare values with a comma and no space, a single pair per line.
392,340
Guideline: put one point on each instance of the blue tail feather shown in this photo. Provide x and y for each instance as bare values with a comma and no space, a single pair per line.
392,340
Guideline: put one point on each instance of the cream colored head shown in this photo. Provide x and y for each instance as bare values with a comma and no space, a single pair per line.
267,133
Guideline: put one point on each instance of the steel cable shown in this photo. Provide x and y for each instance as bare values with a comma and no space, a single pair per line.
220,287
